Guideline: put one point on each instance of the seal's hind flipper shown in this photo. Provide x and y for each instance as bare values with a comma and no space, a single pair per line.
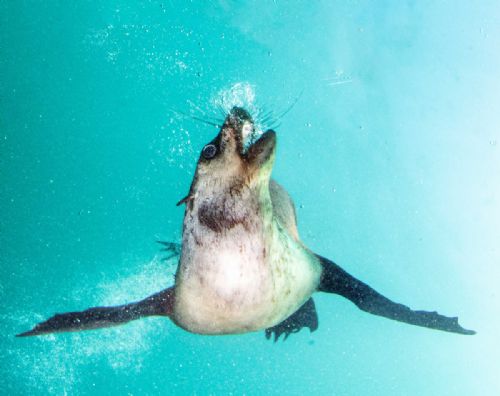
335,280
306,316
98,317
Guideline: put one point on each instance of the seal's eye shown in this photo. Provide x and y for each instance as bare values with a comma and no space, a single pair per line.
209,151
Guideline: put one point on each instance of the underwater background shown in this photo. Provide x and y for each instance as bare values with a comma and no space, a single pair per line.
390,149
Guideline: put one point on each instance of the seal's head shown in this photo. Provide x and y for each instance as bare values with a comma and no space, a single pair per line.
233,157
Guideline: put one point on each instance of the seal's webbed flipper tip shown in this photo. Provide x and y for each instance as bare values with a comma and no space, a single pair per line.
335,280
27,333
170,246
173,248
70,321
437,321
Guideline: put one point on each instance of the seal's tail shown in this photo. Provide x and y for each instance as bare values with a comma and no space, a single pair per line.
94,318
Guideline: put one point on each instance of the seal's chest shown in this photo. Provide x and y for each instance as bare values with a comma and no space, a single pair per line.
225,288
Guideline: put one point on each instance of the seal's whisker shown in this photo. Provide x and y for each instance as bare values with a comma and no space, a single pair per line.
275,125
222,110
266,117
196,118
205,121
269,124
195,107
269,118
267,114
291,106
201,113
218,120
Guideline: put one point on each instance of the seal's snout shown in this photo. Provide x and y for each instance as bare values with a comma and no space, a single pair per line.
263,148
238,117
240,114
240,127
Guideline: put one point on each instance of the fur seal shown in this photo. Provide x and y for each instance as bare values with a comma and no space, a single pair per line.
242,265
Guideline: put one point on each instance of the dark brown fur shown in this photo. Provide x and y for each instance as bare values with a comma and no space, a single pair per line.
225,212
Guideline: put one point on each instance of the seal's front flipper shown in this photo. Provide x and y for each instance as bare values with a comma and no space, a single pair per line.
94,318
173,248
306,316
335,280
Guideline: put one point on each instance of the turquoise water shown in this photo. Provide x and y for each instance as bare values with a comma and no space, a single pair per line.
392,154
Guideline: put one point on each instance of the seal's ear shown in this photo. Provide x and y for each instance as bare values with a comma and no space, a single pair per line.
261,153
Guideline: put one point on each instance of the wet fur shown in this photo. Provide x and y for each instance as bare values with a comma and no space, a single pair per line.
242,267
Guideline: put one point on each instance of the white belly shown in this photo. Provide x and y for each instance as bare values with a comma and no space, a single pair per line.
242,283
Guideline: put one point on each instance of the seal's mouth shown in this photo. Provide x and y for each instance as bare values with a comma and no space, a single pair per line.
250,146
262,149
